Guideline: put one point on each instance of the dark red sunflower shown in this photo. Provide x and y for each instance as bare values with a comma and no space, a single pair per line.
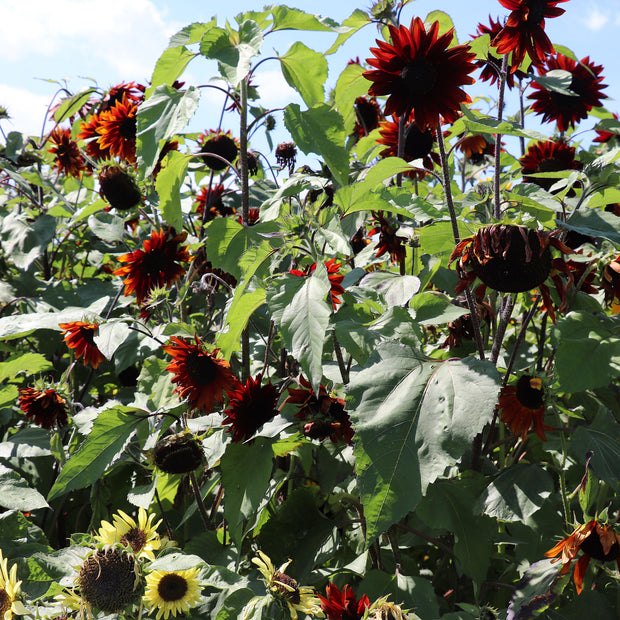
286,156
513,259
156,265
88,132
368,116
125,90
548,157
253,216
490,68
119,188
200,376
343,604
418,144
209,198
117,130
524,31
79,336
67,157
324,415
420,72
475,147
218,149
523,405
611,281
603,136
463,327
250,406
389,241
596,542
46,408
335,279
569,109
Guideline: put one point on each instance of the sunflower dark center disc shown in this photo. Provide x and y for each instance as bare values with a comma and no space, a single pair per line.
418,143
293,595
154,262
593,547
5,602
87,334
419,77
135,538
536,14
128,128
529,396
201,369
172,587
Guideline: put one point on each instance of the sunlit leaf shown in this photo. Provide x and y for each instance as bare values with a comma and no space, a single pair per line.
30,363
306,71
71,105
434,308
168,186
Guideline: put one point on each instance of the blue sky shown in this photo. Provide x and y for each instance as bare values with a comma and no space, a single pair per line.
83,40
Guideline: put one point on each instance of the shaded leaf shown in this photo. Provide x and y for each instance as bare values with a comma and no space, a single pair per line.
434,308
17,494
594,223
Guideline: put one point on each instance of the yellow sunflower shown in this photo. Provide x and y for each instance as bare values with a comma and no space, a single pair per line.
286,590
172,592
142,537
9,591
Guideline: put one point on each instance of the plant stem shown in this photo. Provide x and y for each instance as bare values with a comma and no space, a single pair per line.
501,328
498,138
198,497
344,373
164,517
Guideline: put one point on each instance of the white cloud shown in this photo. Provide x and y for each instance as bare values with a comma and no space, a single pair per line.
127,36
26,110
596,20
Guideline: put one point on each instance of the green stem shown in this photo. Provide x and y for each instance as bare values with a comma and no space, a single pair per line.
501,328
498,138
565,504
198,497
344,373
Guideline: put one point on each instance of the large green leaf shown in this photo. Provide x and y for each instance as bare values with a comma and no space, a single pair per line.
17,494
413,419
357,20
306,71
291,18
30,363
110,335
449,504
227,240
594,223
320,130
434,308
588,350
71,105
168,186
233,50
350,85
106,440
517,493
165,113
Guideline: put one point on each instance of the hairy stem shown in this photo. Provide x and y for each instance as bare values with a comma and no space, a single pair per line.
498,138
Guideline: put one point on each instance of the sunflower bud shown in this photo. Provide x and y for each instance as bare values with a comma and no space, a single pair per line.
119,188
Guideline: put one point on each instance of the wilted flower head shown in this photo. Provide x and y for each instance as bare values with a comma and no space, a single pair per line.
389,241
178,454
286,156
420,72
47,408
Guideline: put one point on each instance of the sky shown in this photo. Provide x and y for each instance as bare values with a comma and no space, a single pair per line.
48,43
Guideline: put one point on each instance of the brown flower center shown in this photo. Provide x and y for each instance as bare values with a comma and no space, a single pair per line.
201,368
172,587
419,77
87,334
528,392
293,596
5,602
536,11
127,128
593,547
135,538
154,262
418,143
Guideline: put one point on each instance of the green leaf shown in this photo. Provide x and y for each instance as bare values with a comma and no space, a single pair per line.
165,113
30,363
157,383
594,223
445,24
306,71
413,419
290,18
434,308
227,239
192,33
71,105
583,336
16,493
107,226
351,84
110,335
168,186
320,130
476,123
304,323
557,81
516,494
395,289
449,505
246,472
233,51
104,443
356,21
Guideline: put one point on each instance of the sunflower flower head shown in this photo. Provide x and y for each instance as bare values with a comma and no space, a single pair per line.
201,376
218,149
155,265
172,592
334,276
119,188
420,72
382,609
368,116
595,540
286,156
285,590
9,591
141,536
46,407
548,156
178,454
389,242
343,604
79,335
67,157
117,130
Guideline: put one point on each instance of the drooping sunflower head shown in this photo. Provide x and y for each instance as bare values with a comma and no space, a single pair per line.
420,72
119,188
47,408
523,405
389,242
172,592
9,590
585,86
368,116
109,580
79,335
218,149
179,454
140,536
200,375
67,157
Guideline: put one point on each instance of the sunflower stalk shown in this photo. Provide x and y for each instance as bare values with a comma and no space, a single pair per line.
445,168
344,373
498,138
501,328
199,502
